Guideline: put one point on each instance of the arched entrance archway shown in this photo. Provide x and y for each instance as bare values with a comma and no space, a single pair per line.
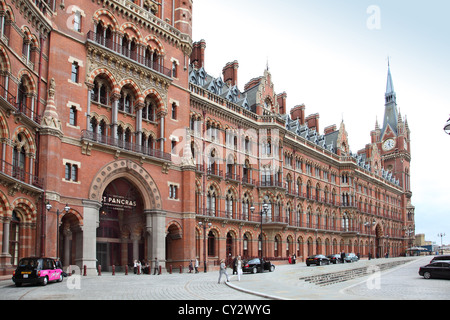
121,236
174,247
70,237
145,227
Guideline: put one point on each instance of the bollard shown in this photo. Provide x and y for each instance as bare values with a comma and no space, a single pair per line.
126,270
159,270
170,269
181,268
99,270
113,270
84,270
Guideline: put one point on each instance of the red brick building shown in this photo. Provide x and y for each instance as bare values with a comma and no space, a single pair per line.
116,144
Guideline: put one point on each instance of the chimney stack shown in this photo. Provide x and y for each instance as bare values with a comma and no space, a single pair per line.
198,54
230,73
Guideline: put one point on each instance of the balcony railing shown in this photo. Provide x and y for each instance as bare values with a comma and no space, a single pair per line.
125,52
20,106
20,174
292,221
272,183
113,142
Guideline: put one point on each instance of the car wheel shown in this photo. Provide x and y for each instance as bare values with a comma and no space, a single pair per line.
427,275
60,278
45,281
272,268
254,270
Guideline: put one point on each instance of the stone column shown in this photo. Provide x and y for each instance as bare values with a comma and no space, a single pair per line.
5,257
67,234
156,220
90,224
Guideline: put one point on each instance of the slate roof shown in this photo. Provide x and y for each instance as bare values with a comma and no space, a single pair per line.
247,100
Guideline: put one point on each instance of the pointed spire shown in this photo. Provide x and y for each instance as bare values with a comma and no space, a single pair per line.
390,112
390,83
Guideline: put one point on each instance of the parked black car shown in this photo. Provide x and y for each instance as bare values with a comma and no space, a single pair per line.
351,257
318,260
254,266
440,258
438,269
334,258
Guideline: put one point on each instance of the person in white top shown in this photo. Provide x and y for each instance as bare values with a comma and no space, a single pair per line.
239,267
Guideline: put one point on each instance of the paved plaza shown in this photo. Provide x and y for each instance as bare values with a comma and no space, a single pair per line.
398,283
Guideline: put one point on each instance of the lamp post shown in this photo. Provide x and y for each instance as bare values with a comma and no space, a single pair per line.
265,208
447,127
441,235
48,206
408,232
201,224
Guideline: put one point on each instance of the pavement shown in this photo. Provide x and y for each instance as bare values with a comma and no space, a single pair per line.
283,284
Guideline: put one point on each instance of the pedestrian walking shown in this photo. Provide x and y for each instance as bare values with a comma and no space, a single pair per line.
343,256
156,267
239,267
196,265
135,266
139,267
234,265
190,266
223,270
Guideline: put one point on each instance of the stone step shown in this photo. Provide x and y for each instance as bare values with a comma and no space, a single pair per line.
351,273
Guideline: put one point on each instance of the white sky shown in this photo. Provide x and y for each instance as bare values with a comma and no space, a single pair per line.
322,53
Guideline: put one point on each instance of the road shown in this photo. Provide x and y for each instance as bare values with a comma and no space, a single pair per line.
399,283
402,283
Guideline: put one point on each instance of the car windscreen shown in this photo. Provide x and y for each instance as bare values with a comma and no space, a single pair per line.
253,261
30,263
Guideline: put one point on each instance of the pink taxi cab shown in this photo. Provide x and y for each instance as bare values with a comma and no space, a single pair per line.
37,270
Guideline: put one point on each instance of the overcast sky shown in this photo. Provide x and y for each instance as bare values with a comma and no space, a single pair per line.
332,55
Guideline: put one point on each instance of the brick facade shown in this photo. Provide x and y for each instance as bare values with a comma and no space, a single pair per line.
107,108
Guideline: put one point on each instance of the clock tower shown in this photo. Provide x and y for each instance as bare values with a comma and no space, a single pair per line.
394,138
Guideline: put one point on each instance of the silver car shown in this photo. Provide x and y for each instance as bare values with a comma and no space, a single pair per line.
351,257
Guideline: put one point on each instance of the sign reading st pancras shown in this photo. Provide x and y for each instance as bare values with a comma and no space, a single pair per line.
118,202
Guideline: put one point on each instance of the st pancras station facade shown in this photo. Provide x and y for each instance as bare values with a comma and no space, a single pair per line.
117,145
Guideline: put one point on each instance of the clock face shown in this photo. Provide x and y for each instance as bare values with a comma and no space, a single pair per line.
389,144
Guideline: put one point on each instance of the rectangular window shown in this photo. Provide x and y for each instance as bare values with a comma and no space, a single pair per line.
73,116
75,70
68,170
77,21
173,192
174,111
74,172
174,69
71,172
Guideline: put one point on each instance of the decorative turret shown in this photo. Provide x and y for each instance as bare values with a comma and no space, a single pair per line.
50,119
183,16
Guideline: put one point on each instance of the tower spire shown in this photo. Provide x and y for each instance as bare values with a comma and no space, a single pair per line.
390,112
390,83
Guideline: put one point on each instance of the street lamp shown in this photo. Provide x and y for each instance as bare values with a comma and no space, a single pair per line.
441,235
201,224
447,127
265,208
48,206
